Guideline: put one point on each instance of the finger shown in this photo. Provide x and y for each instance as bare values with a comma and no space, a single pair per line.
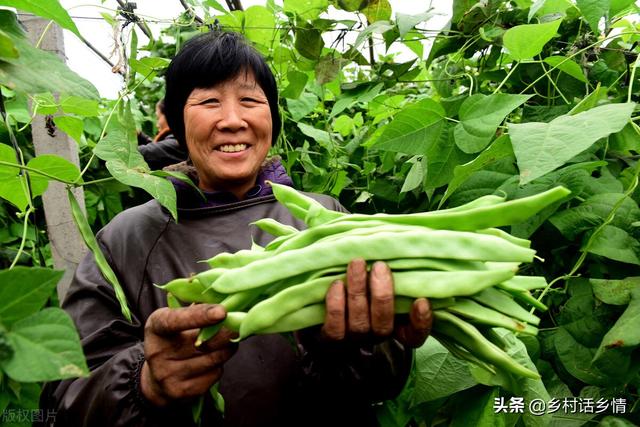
204,362
414,333
166,321
357,301
176,389
334,327
382,311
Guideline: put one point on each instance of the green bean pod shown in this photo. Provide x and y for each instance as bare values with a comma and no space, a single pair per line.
94,247
480,314
275,228
191,290
507,213
237,259
414,284
499,301
501,233
303,207
381,246
472,339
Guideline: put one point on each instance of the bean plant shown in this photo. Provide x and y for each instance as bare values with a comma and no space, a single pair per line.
509,99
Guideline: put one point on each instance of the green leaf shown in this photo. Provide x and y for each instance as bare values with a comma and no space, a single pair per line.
307,9
45,103
47,348
7,48
477,409
302,106
149,66
119,149
259,25
415,177
50,9
526,41
438,373
414,129
54,165
320,136
8,155
24,291
616,244
499,149
81,106
480,115
309,43
442,158
377,10
406,23
72,126
567,66
576,358
343,124
610,421
549,7
376,27
25,73
297,82
624,336
593,10
543,147
615,292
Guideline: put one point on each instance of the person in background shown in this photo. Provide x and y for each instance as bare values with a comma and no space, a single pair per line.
222,106
163,150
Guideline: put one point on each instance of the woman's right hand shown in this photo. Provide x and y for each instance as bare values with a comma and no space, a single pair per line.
174,369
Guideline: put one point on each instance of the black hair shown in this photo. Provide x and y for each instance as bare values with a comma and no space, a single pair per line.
209,59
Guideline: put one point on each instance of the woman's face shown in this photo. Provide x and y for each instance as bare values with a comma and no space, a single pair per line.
228,133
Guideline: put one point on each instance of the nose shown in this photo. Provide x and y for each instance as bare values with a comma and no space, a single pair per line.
232,117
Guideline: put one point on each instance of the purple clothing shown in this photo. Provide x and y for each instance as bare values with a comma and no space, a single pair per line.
272,171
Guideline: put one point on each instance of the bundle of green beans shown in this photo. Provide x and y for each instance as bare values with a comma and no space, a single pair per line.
455,257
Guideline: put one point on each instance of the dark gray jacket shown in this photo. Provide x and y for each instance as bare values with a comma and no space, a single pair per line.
270,381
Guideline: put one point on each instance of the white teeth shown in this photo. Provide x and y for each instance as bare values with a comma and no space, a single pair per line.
232,148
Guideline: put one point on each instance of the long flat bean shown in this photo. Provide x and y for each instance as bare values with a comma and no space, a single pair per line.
381,246
481,314
473,340
507,213
415,284
499,301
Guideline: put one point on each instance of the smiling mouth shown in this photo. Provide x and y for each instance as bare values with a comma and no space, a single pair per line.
231,148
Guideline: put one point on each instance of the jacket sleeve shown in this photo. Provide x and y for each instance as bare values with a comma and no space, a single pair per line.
163,153
113,347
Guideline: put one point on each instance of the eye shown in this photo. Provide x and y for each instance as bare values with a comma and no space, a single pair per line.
249,99
210,101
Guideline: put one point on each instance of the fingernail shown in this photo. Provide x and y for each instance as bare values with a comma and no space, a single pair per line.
379,267
216,313
423,310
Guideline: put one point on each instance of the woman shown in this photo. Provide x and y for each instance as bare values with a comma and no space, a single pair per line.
163,150
221,103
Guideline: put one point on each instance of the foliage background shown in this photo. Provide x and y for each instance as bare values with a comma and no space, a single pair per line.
513,98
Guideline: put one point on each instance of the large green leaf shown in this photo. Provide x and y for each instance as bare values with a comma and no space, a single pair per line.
7,47
499,149
307,9
24,291
526,41
615,292
543,147
567,66
407,22
438,373
72,104
309,42
442,157
13,186
624,336
26,74
72,126
50,9
593,10
480,115
259,25
414,129
616,244
377,10
47,347
576,358
119,149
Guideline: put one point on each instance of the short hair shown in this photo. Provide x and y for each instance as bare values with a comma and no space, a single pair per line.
209,59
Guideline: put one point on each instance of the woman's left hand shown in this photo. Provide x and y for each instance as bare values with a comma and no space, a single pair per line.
364,308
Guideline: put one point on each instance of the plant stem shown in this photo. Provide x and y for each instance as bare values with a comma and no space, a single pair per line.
25,227
506,78
36,171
